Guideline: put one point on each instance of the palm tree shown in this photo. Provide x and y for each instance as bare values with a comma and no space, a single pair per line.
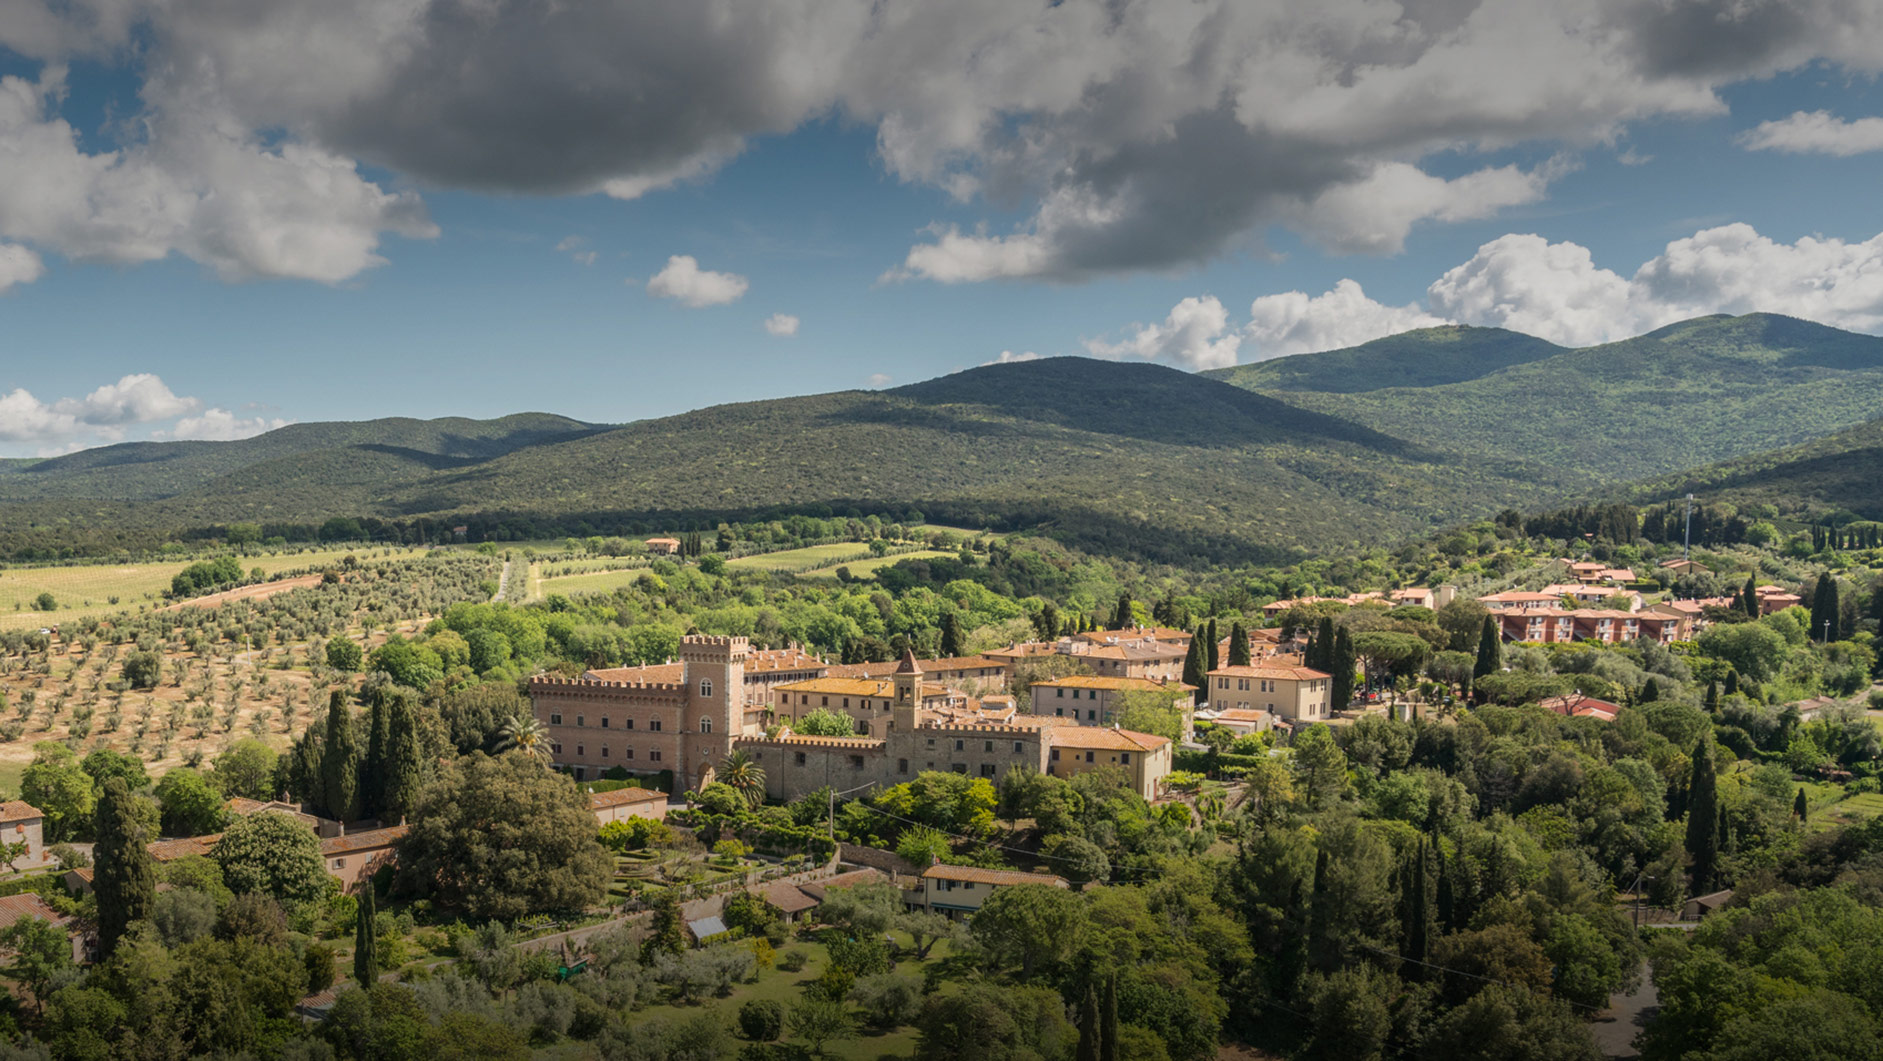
743,774
523,733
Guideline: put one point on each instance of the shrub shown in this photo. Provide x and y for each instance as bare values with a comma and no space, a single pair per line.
344,654
794,961
762,1020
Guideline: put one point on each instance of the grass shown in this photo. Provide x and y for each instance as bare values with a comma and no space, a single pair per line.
1855,808
83,590
868,568
594,582
811,556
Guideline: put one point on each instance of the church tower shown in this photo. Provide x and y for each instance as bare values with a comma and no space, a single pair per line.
908,679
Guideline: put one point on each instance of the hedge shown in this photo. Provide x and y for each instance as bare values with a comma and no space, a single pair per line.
44,884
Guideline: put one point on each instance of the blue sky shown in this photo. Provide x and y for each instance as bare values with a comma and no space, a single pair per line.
464,287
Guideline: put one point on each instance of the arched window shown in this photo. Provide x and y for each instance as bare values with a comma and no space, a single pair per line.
706,724
706,687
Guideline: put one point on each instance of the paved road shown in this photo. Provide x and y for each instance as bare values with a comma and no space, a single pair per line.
1616,1027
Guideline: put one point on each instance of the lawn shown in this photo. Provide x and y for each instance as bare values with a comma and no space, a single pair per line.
1856,808
867,568
592,582
811,556
96,589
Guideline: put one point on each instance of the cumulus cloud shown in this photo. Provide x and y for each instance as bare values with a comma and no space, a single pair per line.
1295,323
220,425
1554,291
683,279
103,415
1129,135
1815,132
1008,357
880,379
19,265
1196,334
781,325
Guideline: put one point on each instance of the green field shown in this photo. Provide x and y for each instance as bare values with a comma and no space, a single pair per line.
593,582
805,559
868,568
88,589
1845,811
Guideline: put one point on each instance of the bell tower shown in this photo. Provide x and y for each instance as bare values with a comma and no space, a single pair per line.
908,682
713,675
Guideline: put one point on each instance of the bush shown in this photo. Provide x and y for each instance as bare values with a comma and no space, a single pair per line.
794,961
143,669
344,655
762,1020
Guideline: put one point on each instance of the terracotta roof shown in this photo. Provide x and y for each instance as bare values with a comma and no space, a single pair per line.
656,674
366,841
1576,704
878,687
761,661
818,889
1089,681
1271,671
929,666
999,877
15,810
621,797
1242,714
1100,737
663,541
1023,651
1517,596
1151,651
907,665
165,850
1136,633
84,873
15,908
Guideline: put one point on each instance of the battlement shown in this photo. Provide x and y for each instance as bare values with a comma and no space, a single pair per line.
796,741
576,685
992,729
704,648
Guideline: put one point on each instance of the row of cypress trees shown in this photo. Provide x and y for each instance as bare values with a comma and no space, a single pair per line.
352,770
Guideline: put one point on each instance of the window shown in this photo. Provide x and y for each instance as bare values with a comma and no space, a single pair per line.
1018,747
339,863
706,724
1055,755
990,746
846,702
627,723
1061,693
654,756
1059,712
557,748
1088,757
805,699
902,766
604,751
580,773
959,768
1124,758
706,687
987,769
1091,715
960,745
604,721
931,742
823,701
555,719
1222,683
627,753
579,721
856,762
654,724
579,750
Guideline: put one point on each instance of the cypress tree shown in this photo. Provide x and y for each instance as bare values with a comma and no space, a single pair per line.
1749,600
1418,917
125,877
950,635
365,943
1238,646
340,761
372,788
1320,947
1703,817
1725,835
1108,1021
1713,698
404,760
1824,609
1213,647
1800,807
1732,682
1122,617
1446,890
1194,672
1651,691
1490,651
1323,645
1341,686
1088,1026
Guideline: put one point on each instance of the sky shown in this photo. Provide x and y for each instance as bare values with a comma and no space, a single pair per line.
220,217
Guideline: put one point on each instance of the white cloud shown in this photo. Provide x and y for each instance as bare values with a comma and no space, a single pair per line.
573,246
781,324
19,265
880,379
1375,214
1008,357
1195,334
1815,132
25,418
1294,323
136,399
683,279
220,425
1554,291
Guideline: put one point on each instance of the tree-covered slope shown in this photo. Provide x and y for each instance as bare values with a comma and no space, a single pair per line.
1843,472
1424,357
1687,395
145,470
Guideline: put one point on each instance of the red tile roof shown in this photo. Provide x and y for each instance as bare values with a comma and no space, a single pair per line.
621,797
1272,671
165,850
15,908
997,877
1100,737
15,810
366,841
656,674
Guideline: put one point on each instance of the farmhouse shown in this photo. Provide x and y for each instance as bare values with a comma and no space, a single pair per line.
23,823
960,891
625,803
357,855
663,546
1290,694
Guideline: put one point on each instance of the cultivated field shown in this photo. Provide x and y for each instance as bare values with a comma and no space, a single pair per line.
99,589
867,568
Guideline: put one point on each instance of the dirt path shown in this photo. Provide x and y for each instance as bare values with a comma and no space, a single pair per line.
1615,1028
503,581
259,591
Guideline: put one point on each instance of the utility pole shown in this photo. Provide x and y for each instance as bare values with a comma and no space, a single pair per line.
1686,535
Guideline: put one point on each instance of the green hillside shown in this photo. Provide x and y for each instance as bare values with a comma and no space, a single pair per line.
147,470
1691,394
1425,357
1839,473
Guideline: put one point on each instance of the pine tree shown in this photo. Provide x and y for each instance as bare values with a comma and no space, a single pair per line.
1122,617
1341,687
340,761
404,759
1238,646
365,942
1088,1026
1703,817
1490,651
1214,647
124,875
1108,1021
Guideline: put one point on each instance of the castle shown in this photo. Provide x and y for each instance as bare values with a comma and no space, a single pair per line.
688,717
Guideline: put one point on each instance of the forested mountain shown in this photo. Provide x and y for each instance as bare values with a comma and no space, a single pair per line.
1841,472
1129,458
1690,394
